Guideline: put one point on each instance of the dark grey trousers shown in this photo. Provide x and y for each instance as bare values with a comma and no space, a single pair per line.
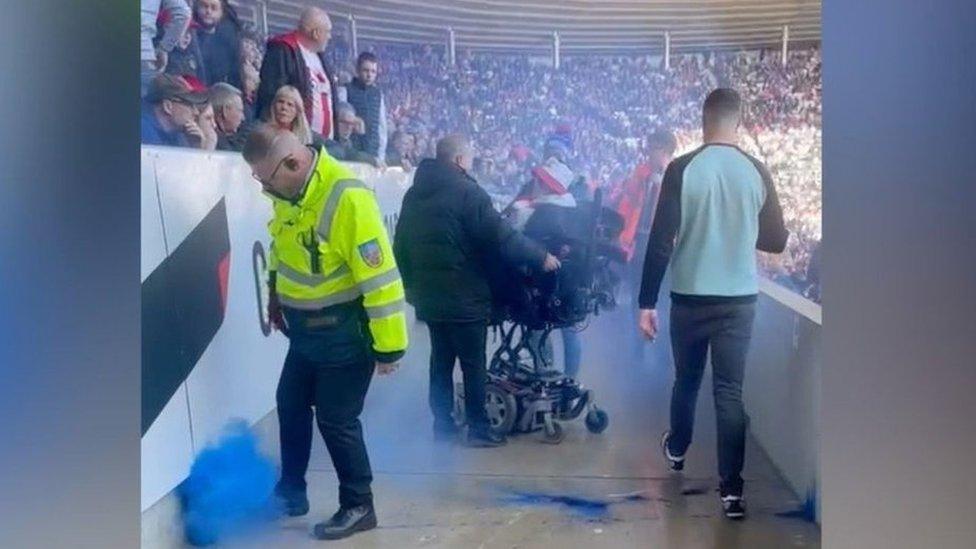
724,329
464,342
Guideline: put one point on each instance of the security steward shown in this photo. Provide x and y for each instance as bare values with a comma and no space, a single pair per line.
336,294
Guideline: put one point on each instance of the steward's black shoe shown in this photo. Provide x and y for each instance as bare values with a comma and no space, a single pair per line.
347,522
485,439
294,502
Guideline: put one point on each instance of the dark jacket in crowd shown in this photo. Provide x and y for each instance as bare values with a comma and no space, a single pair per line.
318,140
283,65
188,62
344,149
220,52
446,240
367,101
235,142
396,160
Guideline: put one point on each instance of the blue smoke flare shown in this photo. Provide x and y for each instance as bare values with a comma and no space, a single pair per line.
229,490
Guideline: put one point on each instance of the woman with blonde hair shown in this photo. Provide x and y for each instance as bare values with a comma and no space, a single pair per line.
287,112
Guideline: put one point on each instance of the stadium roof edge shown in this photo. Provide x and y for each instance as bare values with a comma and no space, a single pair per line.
584,26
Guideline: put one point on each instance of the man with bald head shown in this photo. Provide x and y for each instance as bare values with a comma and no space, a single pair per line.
298,59
446,238
336,293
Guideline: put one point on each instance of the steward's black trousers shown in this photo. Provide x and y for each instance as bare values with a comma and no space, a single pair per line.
329,367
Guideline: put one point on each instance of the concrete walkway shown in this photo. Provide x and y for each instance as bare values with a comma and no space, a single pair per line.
606,490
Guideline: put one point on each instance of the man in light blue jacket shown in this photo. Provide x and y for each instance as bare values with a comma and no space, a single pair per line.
718,205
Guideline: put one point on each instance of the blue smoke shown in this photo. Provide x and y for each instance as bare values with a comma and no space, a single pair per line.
229,490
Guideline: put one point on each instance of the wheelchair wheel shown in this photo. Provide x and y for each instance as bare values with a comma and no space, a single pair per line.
597,420
501,409
553,433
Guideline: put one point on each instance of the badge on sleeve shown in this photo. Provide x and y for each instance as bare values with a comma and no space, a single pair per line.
371,253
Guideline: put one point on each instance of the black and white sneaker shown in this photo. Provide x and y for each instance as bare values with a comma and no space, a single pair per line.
675,463
734,507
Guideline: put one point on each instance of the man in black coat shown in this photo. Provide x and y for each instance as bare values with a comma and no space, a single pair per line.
447,233
298,59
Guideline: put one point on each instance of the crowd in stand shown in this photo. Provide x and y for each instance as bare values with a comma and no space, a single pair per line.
220,83
509,104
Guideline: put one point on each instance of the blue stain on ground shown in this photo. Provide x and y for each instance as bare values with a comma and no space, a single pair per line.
585,507
806,511
229,490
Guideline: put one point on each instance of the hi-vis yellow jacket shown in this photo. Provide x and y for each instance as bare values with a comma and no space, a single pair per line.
329,246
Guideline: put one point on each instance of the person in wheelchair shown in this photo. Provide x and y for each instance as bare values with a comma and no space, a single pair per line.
524,392
549,191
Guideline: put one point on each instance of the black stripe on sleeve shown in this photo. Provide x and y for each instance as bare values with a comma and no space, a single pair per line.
772,230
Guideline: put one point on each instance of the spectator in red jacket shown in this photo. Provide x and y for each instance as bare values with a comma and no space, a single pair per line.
638,197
